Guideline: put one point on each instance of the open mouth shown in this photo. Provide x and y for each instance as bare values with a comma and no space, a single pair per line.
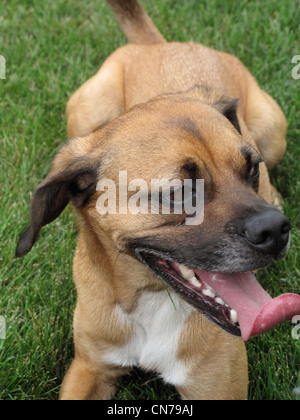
236,302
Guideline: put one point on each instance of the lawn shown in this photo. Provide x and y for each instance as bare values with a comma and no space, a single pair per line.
51,48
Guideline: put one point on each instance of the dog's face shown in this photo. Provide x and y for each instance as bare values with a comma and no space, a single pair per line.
174,137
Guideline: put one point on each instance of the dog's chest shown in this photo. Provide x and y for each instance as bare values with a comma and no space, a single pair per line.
157,321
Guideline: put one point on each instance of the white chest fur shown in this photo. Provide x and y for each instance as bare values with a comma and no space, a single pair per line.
157,321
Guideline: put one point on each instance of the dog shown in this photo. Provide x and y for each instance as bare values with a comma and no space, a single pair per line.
155,291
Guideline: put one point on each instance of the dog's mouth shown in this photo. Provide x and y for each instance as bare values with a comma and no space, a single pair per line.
236,302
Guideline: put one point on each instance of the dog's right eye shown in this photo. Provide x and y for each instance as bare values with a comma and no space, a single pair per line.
175,198
179,198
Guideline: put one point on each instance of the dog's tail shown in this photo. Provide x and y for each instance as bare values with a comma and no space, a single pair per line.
135,22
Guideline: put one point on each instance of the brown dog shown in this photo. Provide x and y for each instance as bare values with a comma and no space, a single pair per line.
139,302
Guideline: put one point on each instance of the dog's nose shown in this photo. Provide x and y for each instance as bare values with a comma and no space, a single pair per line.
268,231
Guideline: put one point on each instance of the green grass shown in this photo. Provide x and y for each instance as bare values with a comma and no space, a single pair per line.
51,48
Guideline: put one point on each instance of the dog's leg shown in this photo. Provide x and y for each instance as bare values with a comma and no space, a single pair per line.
267,124
217,363
97,101
86,381
96,325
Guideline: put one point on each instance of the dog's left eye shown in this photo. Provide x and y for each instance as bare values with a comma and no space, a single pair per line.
254,174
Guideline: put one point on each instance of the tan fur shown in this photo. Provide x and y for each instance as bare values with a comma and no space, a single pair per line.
219,357
131,74
135,22
227,360
107,277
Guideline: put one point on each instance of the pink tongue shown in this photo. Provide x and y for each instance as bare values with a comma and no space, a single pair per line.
256,310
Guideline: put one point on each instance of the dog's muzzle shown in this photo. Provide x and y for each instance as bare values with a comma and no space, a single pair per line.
236,302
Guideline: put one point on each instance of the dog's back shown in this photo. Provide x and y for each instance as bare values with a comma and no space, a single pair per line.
136,73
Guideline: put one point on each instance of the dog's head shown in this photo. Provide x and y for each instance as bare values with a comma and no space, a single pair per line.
206,257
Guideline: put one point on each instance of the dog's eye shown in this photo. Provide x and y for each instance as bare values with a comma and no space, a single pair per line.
179,197
254,174
176,196
172,196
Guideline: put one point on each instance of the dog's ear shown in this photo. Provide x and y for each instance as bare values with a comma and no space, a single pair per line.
229,109
76,183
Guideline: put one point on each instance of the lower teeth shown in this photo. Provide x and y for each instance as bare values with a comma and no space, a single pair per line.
234,316
209,293
194,282
188,274
220,301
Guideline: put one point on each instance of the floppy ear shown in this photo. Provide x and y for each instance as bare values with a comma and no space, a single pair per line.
76,183
229,109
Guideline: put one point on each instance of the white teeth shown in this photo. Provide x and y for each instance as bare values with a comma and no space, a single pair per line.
189,275
234,316
186,272
195,282
220,301
209,292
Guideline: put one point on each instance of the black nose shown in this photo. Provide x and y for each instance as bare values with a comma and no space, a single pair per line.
268,231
